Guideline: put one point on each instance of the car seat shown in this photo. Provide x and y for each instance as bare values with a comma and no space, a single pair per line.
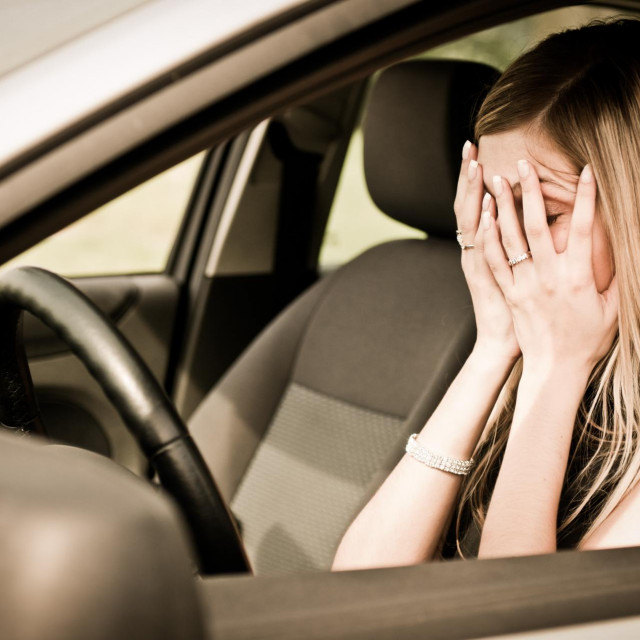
310,419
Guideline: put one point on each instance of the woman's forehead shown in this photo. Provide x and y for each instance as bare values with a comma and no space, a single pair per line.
499,153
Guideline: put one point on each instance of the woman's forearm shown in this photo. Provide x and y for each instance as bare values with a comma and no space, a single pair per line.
522,515
404,521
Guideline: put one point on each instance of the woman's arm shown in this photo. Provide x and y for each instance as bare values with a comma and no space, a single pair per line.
404,521
564,326
522,516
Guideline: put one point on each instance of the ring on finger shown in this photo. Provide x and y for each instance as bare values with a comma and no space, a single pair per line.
518,259
461,242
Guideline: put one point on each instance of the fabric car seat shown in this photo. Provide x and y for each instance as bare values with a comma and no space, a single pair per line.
315,413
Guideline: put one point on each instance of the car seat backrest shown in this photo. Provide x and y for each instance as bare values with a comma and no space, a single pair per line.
419,115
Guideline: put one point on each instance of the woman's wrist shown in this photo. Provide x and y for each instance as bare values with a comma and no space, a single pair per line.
491,356
556,389
457,423
543,368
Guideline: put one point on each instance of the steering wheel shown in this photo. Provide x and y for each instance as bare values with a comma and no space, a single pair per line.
134,392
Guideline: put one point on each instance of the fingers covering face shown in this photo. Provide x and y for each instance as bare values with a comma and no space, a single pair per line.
469,153
488,208
580,243
469,195
513,239
535,215
494,253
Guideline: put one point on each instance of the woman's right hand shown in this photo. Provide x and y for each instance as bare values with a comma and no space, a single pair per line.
495,333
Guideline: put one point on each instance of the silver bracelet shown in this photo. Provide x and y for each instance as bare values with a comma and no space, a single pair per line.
437,461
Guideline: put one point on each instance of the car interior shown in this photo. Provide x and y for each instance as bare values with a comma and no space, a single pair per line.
299,387
317,410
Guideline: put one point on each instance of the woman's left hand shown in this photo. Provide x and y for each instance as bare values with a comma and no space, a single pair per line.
559,315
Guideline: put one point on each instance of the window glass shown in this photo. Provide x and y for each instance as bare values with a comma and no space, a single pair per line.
355,223
131,234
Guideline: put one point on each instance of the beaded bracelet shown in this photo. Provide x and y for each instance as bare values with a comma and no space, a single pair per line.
437,461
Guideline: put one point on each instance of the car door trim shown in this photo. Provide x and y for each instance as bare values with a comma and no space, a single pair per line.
254,144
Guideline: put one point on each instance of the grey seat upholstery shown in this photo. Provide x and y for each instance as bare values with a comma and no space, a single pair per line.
315,413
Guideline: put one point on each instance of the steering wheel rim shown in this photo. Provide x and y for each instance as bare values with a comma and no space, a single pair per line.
129,384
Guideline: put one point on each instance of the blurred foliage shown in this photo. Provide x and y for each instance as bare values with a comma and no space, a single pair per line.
500,45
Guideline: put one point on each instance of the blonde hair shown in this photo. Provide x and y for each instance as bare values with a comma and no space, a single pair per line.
580,90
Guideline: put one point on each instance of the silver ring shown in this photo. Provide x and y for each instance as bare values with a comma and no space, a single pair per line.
463,246
521,258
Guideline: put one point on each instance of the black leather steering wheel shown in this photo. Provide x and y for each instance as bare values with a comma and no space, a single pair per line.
134,392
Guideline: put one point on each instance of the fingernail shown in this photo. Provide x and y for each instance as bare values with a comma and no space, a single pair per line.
486,201
497,185
465,149
523,168
587,174
486,219
473,169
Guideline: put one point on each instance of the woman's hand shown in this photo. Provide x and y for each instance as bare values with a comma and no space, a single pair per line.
495,333
559,315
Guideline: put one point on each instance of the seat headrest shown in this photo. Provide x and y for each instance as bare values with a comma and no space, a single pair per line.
418,117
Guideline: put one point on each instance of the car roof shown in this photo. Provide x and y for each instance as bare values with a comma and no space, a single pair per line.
79,75
31,28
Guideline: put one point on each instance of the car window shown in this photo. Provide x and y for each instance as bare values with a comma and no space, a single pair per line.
131,234
355,223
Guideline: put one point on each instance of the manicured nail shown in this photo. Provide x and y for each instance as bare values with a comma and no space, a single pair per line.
486,219
523,168
497,185
587,174
465,149
486,201
473,169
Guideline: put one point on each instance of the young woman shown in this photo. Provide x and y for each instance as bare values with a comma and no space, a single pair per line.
548,402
